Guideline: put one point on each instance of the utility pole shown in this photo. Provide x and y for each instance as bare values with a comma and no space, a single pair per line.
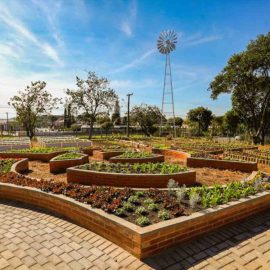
128,105
7,123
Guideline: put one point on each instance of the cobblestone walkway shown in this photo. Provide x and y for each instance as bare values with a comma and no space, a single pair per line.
33,240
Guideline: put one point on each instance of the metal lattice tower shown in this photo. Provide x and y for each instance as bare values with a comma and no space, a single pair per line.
166,43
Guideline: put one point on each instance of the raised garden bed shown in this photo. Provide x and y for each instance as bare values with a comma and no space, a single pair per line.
72,202
61,163
130,175
107,154
171,153
137,157
42,154
89,150
234,165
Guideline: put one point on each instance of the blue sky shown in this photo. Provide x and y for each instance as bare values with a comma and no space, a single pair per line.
56,40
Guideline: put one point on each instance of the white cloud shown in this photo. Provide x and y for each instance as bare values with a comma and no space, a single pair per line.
51,11
135,62
128,22
198,39
24,32
126,28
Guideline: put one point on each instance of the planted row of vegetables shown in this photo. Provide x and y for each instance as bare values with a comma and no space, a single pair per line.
143,168
152,205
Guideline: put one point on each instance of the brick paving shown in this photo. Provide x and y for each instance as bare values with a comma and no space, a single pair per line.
30,239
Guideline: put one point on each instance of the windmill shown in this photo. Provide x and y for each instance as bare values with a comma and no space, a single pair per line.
166,44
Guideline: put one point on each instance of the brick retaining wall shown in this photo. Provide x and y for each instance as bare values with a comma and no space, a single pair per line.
171,153
222,164
33,156
87,177
20,166
102,155
57,166
89,151
141,242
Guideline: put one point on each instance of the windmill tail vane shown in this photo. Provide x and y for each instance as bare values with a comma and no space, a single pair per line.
166,43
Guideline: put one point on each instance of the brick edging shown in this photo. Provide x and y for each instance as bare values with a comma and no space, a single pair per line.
222,164
32,156
88,177
20,166
57,166
141,242
106,155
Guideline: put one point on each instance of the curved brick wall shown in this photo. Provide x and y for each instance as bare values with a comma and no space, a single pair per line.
154,159
141,242
171,153
101,155
89,151
87,177
20,166
222,164
57,166
33,156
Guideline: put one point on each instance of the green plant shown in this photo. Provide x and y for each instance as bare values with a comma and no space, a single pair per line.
152,207
148,201
143,221
139,194
133,199
181,193
128,206
164,214
71,155
144,168
141,211
133,154
194,199
172,186
6,164
120,212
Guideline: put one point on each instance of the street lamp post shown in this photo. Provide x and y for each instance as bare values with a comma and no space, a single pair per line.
128,106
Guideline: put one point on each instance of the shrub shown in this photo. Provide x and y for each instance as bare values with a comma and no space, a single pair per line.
141,211
143,221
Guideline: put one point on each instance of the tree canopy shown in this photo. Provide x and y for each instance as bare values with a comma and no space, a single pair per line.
202,116
247,77
31,103
93,96
147,117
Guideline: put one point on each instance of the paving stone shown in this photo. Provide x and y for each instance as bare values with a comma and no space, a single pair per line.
35,240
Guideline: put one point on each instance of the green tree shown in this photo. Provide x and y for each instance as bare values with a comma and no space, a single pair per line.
116,117
178,121
93,97
31,103
217,125
147,117
247,77
231,122
202,116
